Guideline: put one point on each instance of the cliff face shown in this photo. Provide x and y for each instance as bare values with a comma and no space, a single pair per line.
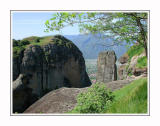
128,68
107,70
56,64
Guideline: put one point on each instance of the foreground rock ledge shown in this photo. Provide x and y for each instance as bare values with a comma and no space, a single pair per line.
64,99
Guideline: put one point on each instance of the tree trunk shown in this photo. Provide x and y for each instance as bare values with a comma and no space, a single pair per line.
143,35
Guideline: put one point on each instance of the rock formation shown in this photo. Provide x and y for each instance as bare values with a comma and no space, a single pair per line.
124,59
127,67
107,70
64,100
122,73
22,94
57,64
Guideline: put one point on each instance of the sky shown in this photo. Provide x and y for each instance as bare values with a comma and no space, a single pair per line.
25,24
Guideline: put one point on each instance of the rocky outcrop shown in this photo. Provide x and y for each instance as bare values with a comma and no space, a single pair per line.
139,71
58,101
107,70
127,68
57,64
64,100
122,73
22,94
133,62
124,59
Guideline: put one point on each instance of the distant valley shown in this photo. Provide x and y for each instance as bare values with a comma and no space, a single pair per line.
91,45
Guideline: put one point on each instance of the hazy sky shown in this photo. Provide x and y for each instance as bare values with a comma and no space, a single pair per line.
25,24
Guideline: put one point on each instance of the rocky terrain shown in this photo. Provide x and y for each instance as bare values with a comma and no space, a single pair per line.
64,100
40,69
128,69
47,78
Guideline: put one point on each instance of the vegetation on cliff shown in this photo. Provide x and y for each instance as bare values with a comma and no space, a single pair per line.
21,45
142,62
135,50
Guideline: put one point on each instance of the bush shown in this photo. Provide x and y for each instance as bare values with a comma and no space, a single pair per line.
17,51
37,40
15,42
95,100
24,42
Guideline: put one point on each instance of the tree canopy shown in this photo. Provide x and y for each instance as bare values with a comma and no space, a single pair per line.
128,27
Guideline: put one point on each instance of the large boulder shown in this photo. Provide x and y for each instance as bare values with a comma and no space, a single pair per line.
56,64
64,100
58,101
106,65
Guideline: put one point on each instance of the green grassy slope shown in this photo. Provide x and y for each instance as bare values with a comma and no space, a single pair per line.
131,99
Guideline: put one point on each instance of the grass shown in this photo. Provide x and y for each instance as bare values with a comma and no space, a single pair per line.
34,40
131,99
42,41
135,50
142,62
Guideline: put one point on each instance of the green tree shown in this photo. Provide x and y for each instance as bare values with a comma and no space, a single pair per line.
121,27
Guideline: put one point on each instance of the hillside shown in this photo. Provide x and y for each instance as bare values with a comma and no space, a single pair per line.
131,99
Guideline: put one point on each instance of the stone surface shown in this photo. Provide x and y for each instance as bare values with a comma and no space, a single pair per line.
106,67
63,100
122,73
139,71
22,94
133,62
130,67
57,64
124,59
58,101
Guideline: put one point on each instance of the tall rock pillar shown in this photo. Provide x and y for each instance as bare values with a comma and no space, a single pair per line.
106,64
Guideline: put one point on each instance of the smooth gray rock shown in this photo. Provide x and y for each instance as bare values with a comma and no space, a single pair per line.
64,100
106,66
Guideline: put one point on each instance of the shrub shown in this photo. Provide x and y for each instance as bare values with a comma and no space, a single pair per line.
15,42
37,40
17,51
95,100
24,42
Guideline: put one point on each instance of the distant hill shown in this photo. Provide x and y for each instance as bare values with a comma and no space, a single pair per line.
91,45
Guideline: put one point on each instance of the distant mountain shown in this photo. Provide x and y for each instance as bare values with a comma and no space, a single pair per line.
91,45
